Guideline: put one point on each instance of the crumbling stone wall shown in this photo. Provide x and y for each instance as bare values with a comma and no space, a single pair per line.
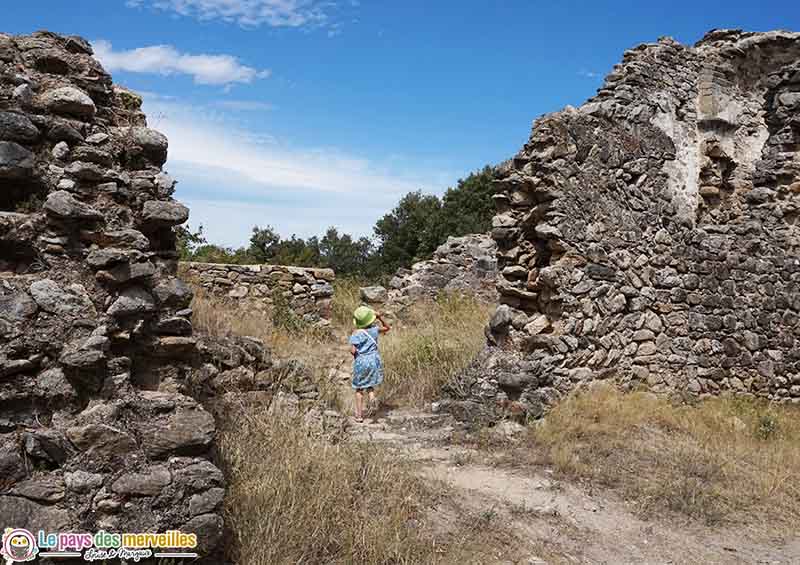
100,375
307,292
651,235
465,263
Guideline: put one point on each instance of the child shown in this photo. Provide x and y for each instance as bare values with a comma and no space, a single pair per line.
367,366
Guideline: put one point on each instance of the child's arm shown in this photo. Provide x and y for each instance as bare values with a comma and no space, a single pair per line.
384,326
353,350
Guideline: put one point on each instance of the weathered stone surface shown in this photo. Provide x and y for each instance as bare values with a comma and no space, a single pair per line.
157,213
17,127
461,264
24,513
47,489
52,297
16,162
374,294
181,432
656,225
101,440
134,301
148,483
62,204
69,100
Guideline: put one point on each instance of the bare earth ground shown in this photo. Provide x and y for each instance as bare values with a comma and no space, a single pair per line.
549,521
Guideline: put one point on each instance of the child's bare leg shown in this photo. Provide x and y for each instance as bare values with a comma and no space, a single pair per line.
359,405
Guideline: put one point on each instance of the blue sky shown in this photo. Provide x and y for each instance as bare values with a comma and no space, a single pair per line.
307,113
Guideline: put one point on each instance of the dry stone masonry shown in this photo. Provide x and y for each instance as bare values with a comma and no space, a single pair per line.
102,382
651,235
307,292
462,264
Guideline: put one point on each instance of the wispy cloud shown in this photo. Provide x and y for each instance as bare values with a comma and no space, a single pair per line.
589,74
245,105
232,177
249,13
167,60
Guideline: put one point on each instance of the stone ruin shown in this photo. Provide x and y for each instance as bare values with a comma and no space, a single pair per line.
463,264
651,235
306,292
102,382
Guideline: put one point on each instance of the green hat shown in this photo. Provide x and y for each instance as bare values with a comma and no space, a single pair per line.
363,317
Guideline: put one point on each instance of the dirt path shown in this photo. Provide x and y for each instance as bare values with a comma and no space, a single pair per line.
553,522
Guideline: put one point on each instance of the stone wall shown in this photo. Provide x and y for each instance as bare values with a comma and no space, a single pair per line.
651,236
307,292
102,382
463,264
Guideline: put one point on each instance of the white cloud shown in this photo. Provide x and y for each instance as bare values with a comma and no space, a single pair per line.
167,60
234,178
250,13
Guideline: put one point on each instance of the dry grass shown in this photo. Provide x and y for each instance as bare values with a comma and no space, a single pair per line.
722,459
295,498
435,341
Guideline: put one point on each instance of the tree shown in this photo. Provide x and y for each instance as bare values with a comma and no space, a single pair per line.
264,243
344,254
468,208
409,232
186,241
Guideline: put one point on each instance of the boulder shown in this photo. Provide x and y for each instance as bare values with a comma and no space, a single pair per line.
152,142
70,101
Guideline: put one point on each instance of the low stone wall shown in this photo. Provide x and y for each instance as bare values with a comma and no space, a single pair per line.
308,292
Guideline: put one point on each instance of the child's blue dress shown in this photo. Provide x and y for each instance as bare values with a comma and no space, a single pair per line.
367,366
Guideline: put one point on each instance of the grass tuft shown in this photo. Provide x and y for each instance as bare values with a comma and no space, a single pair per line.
436,340
723,459
295,498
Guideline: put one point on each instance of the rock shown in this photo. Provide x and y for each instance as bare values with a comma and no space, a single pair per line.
48,489
16,162
185,431
149,483
206,502
46,445
12,466
208,528
17,127
70,101
55,299
63,205
23,513
153,143
173,293
101,441
83,482
133,301
61,151
374,294
97,138
17,306
157,213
